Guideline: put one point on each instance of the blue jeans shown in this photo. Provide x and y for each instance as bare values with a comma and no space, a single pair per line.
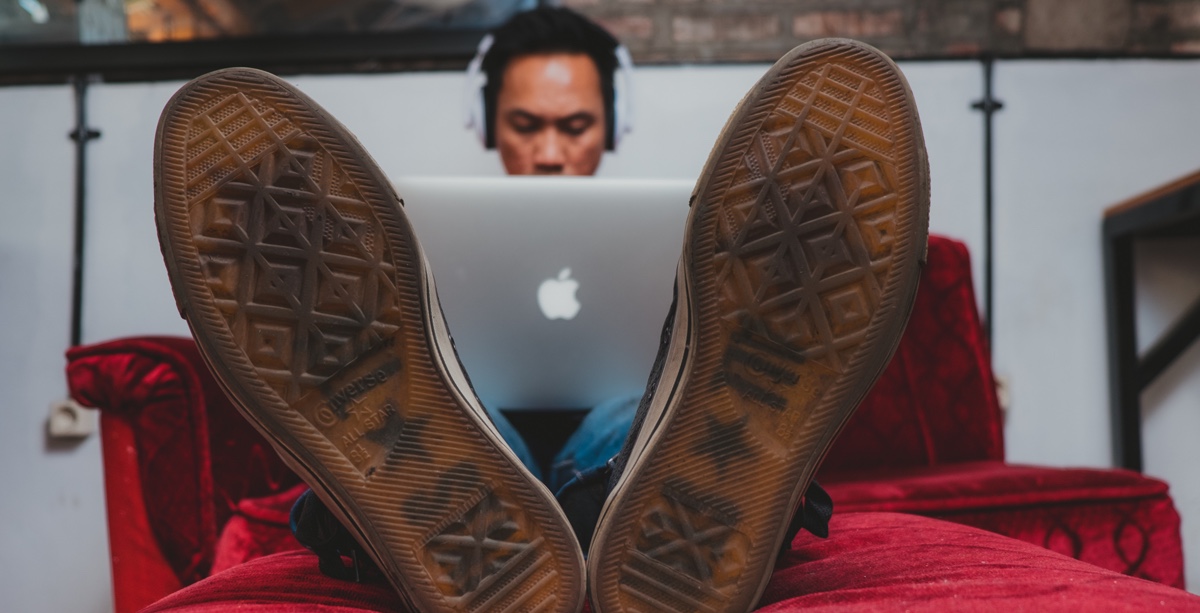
599,437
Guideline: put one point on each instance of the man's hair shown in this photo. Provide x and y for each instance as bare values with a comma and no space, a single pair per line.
549,30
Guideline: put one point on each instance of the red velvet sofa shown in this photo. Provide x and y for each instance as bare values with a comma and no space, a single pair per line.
193,492
928,439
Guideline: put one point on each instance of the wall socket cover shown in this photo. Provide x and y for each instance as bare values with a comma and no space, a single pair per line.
69,420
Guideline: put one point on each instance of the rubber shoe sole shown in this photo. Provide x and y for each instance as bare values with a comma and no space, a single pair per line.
801,260
307,293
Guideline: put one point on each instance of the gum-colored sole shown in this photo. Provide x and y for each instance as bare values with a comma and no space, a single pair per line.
801,262
300,277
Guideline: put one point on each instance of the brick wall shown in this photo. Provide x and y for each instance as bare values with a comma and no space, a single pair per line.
748,30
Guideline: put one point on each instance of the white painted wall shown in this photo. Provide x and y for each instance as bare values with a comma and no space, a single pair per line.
53,531
125,292
1074,138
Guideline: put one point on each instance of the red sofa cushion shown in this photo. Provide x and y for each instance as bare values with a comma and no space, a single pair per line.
871,562
1116,519
898,562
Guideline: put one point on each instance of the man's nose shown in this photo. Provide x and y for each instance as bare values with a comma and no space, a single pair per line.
548,150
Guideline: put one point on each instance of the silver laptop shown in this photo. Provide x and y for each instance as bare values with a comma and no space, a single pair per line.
555,289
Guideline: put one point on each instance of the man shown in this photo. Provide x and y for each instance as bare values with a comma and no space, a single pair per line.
294,263
544,93
549,90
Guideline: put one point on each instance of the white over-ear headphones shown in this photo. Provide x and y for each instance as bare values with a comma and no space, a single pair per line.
476,115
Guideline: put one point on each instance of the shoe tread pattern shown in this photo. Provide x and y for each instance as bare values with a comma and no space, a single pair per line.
285,244
803,250
296,270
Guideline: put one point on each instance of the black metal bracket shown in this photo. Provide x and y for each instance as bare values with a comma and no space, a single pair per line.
1170,346
82,134
989,105
1170,211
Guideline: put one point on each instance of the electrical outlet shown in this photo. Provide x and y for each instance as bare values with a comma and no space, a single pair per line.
69,420
1003,395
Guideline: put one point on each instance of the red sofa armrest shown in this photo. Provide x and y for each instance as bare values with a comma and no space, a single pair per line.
178,459
141,572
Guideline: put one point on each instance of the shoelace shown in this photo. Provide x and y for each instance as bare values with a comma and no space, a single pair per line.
816,507
338,554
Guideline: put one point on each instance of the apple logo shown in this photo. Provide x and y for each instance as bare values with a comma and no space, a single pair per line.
556,296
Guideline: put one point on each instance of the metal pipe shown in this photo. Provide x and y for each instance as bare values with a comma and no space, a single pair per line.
81,135
988,105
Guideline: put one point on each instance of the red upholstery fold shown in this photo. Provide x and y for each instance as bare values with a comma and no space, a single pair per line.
259,527
971,486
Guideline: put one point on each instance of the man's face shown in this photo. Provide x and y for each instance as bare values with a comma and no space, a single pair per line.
550,115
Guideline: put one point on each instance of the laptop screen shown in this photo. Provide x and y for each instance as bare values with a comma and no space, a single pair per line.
554,288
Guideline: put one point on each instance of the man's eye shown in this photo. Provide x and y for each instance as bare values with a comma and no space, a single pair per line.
574,126
524,124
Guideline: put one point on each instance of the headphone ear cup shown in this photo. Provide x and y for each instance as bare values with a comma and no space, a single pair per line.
473,94
622,95
479,117
618,112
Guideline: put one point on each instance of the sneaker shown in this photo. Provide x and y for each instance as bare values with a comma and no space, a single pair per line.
801,260
292,260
